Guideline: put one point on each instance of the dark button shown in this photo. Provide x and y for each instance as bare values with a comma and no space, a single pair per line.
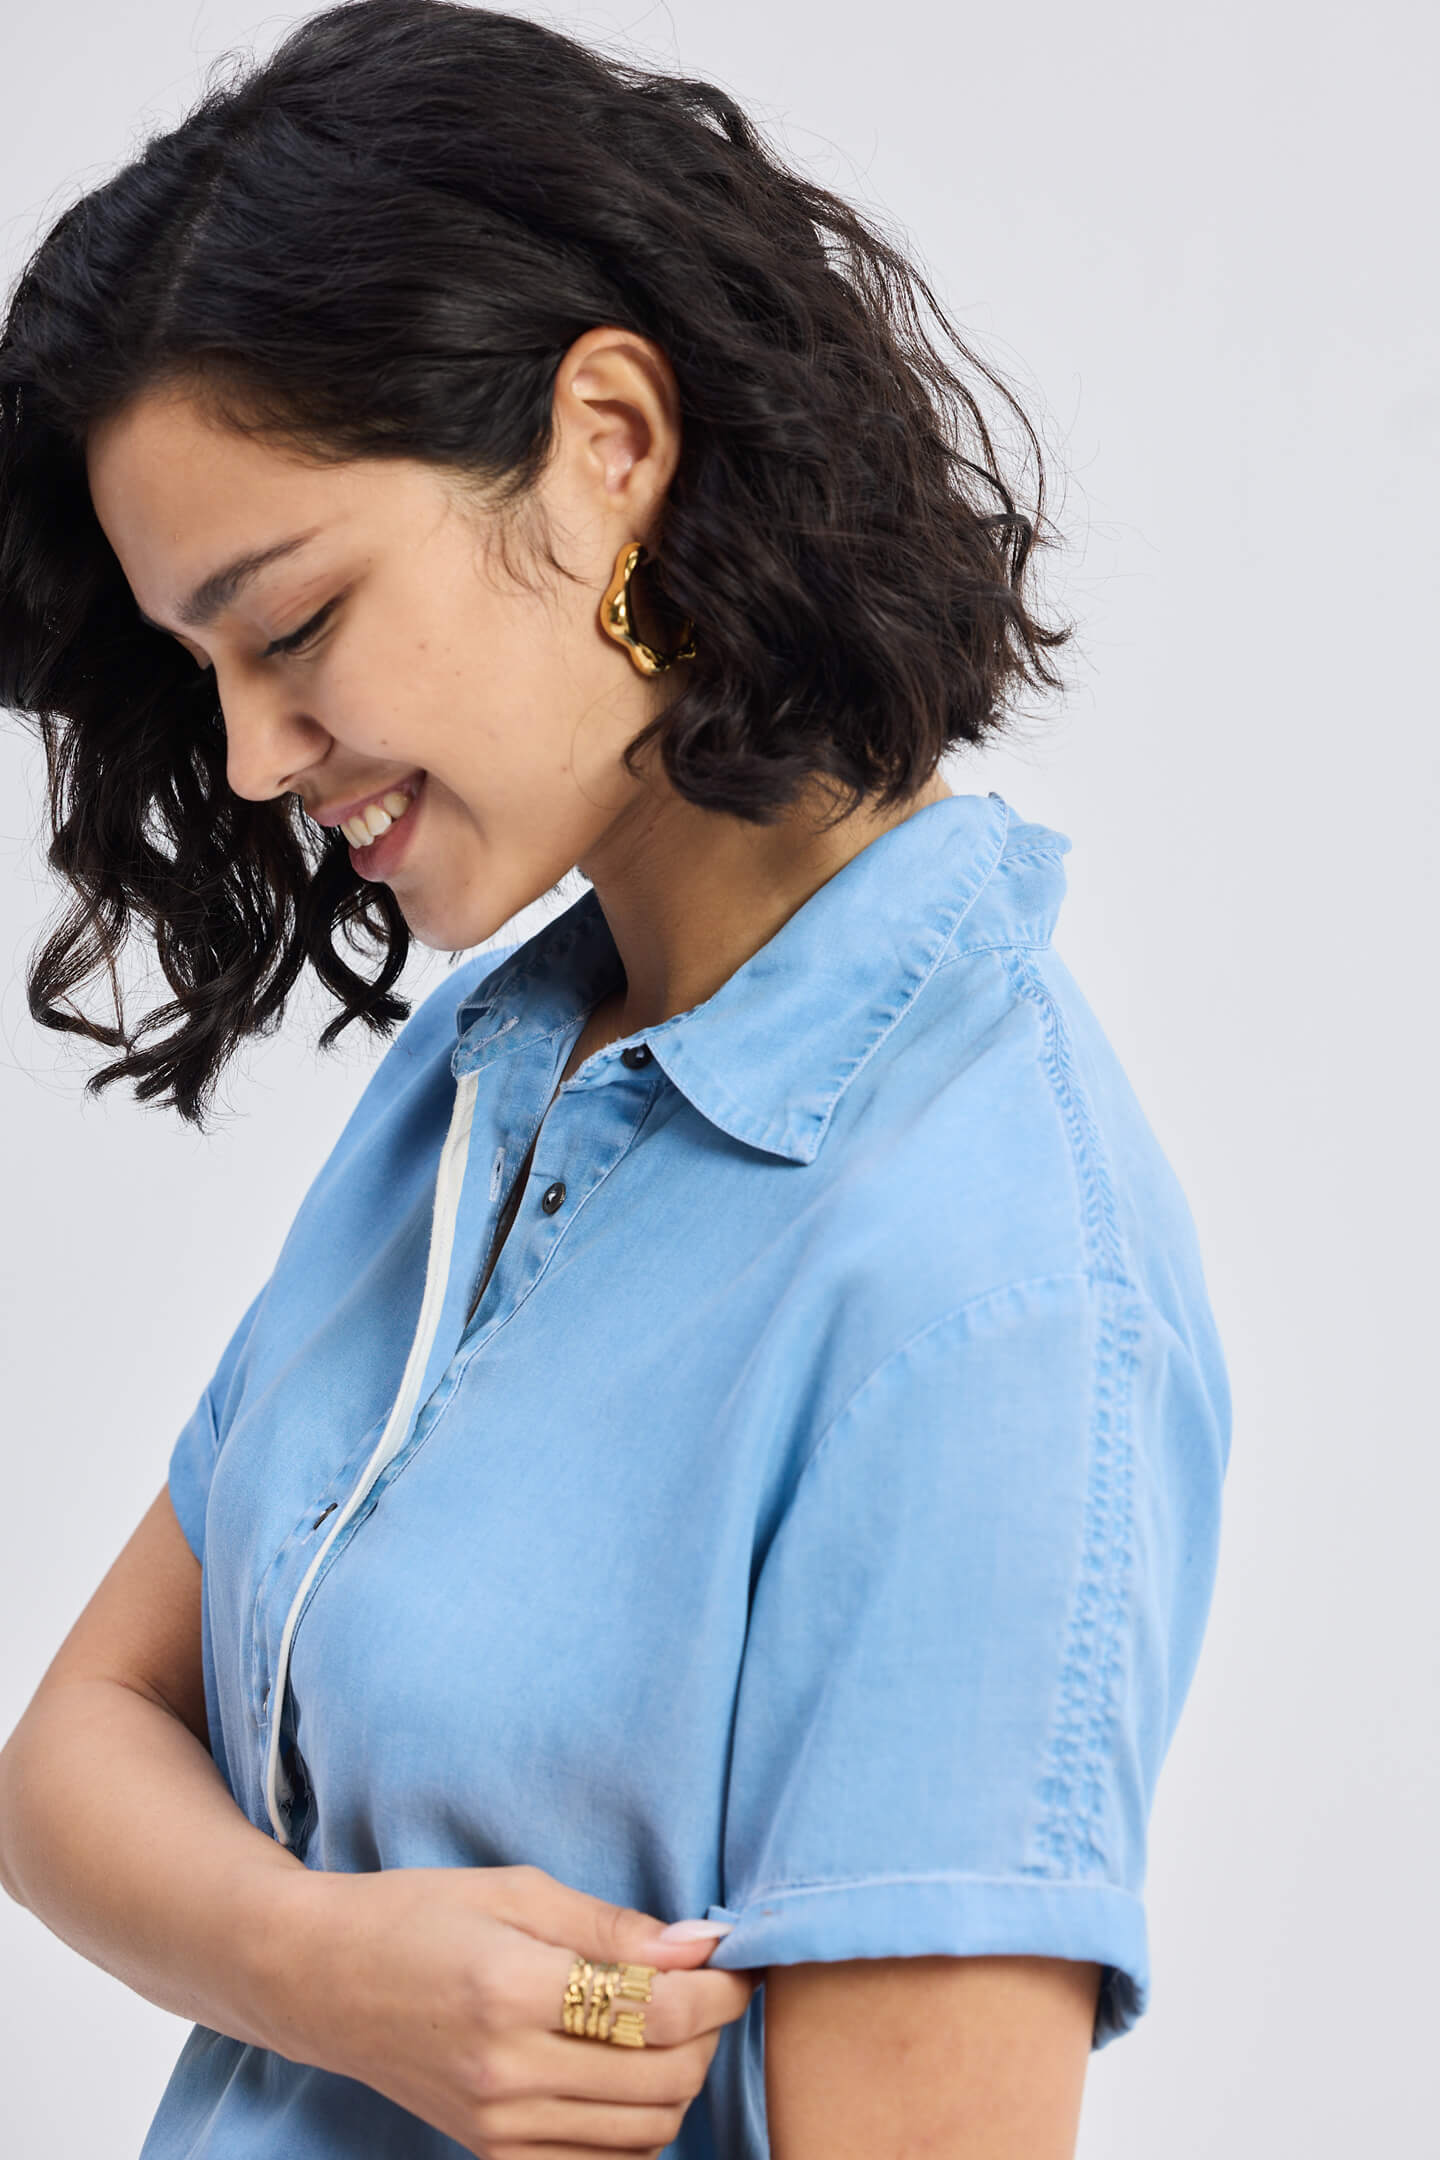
552,1197
638,1054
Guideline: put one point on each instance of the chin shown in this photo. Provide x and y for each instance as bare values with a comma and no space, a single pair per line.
473,908
452,929
446,937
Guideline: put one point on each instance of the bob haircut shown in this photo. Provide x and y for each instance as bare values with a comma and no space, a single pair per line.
838,527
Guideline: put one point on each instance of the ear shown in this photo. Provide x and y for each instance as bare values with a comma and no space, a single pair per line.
617,418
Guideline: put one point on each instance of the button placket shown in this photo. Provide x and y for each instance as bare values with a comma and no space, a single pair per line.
280,1576
592,1122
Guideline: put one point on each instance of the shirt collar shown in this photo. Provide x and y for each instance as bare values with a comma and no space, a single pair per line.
771,1053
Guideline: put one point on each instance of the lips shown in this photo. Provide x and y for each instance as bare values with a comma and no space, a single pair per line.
380,854
374,821
353,817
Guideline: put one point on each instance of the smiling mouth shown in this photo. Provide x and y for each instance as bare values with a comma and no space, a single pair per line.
367,825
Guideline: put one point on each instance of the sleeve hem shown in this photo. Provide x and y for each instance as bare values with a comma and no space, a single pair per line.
189,1495
951,1915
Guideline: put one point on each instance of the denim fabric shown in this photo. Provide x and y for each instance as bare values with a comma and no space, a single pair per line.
816,1523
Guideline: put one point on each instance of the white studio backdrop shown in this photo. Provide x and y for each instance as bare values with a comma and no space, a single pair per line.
1199,243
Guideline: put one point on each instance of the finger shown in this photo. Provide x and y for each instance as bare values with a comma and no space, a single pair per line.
595,2070
682,2005
524,2149
576,2125
542,2066
527,1897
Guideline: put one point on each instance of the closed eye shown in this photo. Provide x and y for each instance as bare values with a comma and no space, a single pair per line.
299,639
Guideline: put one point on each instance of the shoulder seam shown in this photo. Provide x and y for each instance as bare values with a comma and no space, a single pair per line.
1068,1834
1100,1222
941,1320
1000,945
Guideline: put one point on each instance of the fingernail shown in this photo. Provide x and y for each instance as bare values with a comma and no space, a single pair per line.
695,1930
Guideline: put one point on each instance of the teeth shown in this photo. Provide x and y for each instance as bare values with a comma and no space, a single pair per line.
376,818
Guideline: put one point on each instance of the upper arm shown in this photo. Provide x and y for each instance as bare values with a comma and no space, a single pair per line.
968,1642
965,2058
142,1626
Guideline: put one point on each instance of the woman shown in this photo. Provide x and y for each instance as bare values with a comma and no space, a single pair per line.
735,1430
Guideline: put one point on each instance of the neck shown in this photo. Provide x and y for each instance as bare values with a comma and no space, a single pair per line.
690,894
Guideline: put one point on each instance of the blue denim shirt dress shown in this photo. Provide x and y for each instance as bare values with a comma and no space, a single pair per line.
815,1524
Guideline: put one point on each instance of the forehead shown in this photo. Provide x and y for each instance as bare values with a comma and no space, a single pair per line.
163,473
177,496
178,492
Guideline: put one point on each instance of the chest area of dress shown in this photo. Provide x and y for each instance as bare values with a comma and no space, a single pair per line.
546,1590
592,1446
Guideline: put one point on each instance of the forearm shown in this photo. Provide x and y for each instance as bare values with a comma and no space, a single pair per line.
118,1832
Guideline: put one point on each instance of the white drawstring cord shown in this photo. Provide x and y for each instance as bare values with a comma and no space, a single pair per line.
448,1180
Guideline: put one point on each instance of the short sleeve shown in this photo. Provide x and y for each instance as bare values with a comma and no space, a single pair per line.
196,1446
970,1637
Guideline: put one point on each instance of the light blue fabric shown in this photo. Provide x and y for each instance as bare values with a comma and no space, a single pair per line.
815,1526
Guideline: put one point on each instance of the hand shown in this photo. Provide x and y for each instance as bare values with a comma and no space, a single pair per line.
442,1988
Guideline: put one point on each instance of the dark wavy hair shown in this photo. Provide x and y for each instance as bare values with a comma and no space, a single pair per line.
381,242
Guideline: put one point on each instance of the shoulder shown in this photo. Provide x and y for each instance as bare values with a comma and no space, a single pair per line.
994,1146
964,1151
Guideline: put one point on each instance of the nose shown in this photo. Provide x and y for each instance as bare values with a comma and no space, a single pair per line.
267,740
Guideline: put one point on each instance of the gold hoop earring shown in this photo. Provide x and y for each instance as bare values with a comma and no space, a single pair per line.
617,619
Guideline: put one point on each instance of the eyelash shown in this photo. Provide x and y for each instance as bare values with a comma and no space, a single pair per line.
299,639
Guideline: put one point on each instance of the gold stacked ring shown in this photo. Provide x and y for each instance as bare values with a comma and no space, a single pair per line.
588,2008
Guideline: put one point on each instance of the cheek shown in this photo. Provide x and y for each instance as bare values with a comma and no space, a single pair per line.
377,701
373,729
500,699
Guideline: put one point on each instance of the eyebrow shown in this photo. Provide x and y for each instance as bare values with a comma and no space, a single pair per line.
215,593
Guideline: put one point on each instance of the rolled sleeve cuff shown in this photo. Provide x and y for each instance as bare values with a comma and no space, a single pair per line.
950,1916
188,1477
